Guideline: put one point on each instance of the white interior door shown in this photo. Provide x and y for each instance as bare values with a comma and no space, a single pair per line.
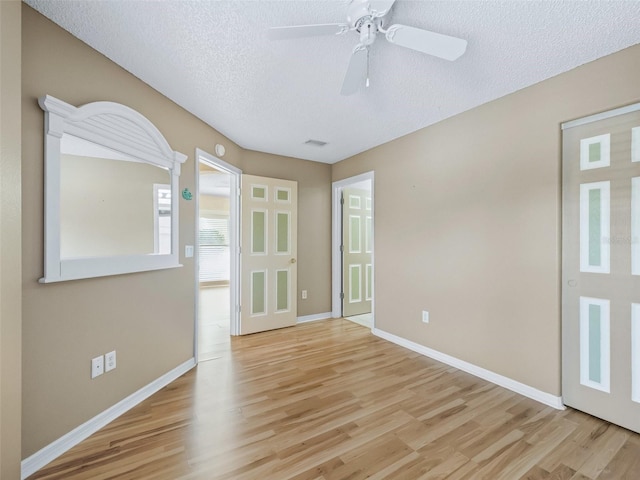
601,266
357,248
268,252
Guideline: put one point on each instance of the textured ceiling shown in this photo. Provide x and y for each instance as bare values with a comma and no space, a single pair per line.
214,59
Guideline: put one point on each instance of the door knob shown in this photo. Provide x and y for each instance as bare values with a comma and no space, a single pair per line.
293,260
572,282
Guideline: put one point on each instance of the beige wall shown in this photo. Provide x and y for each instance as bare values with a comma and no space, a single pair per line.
213,203
314,223
146,317
10,237
467,223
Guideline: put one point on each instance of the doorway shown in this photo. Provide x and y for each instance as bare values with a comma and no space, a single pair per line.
352,247
217,256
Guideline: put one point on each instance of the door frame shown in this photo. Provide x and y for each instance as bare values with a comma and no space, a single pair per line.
336,241
234,240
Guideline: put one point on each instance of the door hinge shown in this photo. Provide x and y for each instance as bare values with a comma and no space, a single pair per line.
341,200
239,308
341,295
341,248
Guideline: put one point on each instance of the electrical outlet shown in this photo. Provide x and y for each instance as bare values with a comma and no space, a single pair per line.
109,361
304,294
97,366
188,251
425,316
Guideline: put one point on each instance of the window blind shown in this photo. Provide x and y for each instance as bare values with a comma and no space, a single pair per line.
215,260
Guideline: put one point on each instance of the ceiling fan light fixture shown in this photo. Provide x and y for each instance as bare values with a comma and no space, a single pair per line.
368,32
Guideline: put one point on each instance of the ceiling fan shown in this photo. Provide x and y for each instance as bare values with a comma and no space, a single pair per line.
367,18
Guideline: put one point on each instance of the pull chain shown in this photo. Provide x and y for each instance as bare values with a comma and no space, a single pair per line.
367,82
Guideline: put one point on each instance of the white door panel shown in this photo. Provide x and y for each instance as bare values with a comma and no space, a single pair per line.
269,249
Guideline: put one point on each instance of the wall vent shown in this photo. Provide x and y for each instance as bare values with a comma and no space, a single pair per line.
315,143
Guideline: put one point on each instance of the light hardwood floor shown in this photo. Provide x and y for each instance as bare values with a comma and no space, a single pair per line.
328,400
214,323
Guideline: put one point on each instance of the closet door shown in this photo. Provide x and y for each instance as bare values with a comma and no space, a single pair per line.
601,266
357,246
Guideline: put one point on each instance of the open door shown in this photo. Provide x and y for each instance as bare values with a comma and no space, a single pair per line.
601,266
268,249
356,251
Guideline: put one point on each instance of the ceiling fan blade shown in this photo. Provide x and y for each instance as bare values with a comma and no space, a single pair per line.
356,71
424,41
379,8
299,31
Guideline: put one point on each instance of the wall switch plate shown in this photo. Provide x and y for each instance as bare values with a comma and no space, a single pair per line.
109,361
97,366
425,316
188,251
304,294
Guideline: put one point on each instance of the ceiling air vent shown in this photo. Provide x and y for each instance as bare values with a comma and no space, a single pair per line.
315,143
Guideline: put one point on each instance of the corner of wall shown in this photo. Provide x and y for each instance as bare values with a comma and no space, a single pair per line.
10,238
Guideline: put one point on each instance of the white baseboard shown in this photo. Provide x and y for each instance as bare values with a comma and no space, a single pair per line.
42,457
506,382
314,317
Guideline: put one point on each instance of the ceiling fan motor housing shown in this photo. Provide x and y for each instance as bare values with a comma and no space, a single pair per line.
357,10
361,11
